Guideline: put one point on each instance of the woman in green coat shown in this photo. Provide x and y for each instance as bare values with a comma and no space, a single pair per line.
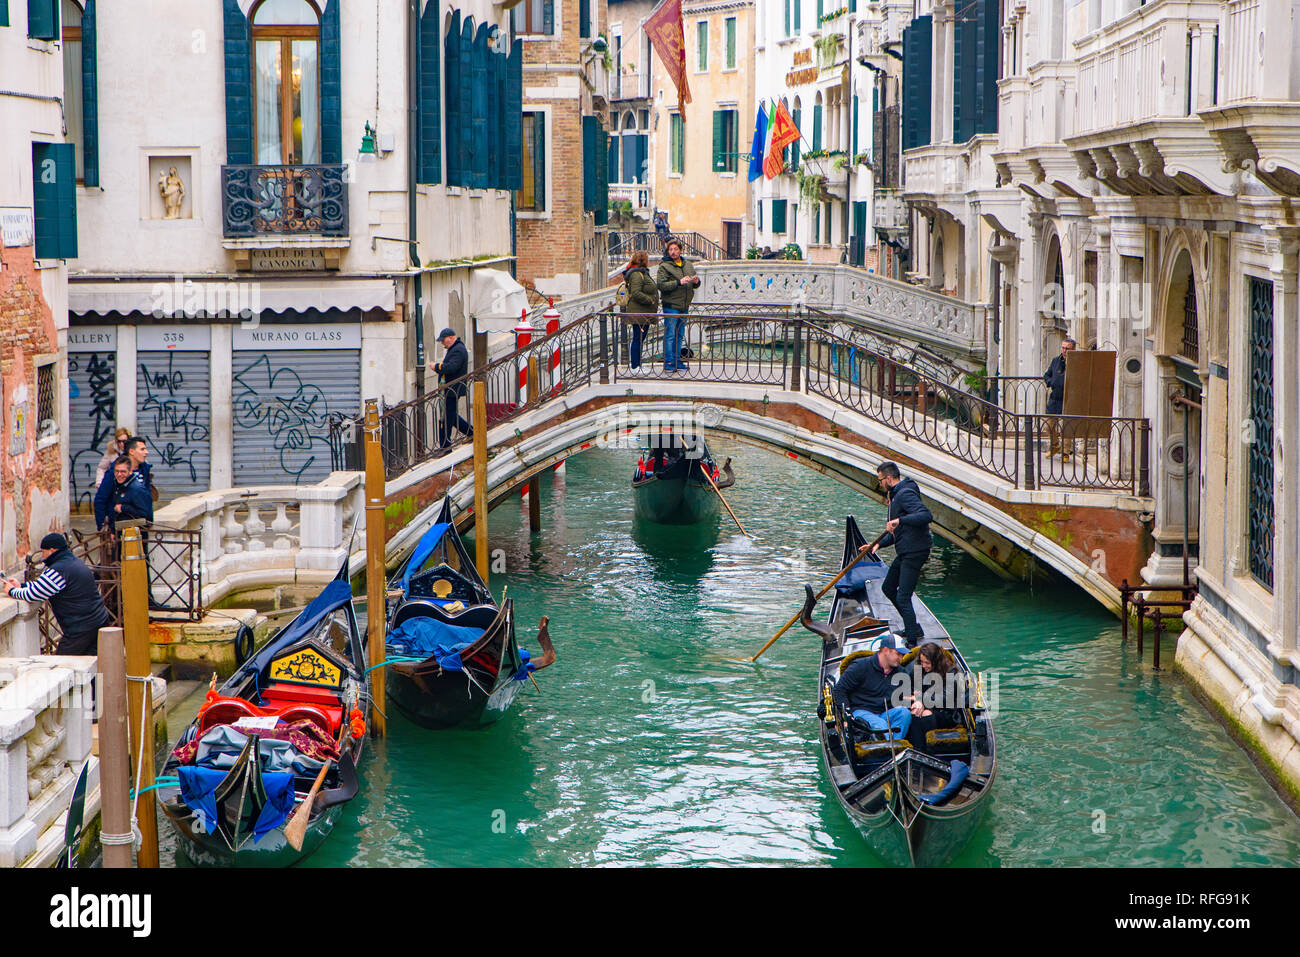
642,303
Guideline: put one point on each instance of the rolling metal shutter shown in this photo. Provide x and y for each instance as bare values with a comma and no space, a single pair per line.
173,412
92,399
281,403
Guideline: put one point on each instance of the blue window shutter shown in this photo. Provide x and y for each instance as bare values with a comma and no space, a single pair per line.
474,161
331,86
4,13
430,111
489,166
499,120
917,54
965,35
589,138
451,108
514,144
602,175
614,164
43,19
988,47
239,86
642,158
548,17
54,200
584,18
89,96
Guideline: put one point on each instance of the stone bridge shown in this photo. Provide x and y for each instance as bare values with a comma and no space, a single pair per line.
822,393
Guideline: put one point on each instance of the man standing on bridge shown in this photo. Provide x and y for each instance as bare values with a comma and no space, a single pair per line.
908,530
1055,379
454,365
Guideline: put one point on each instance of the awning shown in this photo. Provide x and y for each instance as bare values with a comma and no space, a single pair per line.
496,300
228,299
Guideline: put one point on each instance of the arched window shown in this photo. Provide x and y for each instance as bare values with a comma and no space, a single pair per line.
286,65
73,93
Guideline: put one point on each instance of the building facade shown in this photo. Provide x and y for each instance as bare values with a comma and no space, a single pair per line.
702,156
278,238
39,171
632,156
1124,174
562,208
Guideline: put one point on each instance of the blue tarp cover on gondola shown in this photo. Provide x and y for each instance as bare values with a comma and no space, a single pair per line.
860,574
198,791
335,595
428,542
422,637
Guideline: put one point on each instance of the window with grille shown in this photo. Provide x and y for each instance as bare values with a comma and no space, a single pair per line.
1260,449
1191,338
47,418
532,197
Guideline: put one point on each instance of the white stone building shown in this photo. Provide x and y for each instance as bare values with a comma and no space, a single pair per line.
312,218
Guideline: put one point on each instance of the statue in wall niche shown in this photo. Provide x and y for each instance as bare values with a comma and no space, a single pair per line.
172,191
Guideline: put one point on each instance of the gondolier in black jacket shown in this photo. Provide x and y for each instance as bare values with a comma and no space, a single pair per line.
69,586
453,365
908,530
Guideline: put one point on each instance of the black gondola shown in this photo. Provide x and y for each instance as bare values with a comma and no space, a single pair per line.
913,806
243,766
455,661
669,485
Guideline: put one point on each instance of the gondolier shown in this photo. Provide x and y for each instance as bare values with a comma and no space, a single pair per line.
908,530
69,586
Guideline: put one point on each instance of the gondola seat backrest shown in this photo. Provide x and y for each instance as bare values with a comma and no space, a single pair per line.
228,710
480,617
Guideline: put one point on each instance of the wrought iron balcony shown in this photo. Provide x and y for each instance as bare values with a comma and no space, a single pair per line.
284,201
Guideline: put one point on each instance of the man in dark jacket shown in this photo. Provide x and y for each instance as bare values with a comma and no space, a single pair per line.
1055,379
908,530
454,364
129,497
871,689
69,586
137,450
677,284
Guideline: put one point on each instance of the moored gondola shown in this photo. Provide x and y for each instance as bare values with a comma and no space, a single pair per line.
246,764
915,802
670,485
454,660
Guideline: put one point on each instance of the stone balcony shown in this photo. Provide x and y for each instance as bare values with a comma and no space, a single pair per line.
1141,80
1256,119
1036,111
947,176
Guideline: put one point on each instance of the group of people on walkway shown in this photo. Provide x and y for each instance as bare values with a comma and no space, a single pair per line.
125,488
669,293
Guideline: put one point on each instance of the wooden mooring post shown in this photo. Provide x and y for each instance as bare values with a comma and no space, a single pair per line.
139,690
480,481
375,543
114,749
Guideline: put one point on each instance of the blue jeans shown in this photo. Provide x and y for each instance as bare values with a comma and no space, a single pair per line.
674,329
634,347
899,718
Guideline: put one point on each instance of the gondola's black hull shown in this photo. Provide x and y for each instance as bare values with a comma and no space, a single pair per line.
272,850
674,501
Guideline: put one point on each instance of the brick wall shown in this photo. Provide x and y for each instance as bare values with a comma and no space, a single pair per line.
31,479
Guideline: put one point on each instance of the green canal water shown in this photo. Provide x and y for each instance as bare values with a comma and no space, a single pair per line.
646,745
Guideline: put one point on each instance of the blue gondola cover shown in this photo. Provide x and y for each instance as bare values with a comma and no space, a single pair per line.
198,787
421,637
428,542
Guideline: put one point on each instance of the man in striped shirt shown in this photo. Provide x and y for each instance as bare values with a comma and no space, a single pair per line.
70,588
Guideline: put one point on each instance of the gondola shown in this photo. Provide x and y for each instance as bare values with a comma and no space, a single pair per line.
454,661
244,765
912,807
669,485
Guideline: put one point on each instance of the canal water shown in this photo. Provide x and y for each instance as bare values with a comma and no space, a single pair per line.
647,744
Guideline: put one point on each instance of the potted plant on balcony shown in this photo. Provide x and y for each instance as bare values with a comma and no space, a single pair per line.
827,48
812,187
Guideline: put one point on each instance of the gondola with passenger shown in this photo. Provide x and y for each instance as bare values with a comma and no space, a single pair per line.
915,802
281,739
453,657
675,481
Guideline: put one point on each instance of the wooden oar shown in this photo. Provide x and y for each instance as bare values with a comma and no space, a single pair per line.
843,571
715,488
296,829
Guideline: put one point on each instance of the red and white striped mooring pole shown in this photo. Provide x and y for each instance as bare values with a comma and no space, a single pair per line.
552,317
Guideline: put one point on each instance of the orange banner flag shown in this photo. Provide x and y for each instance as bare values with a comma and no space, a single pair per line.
784,132
664,28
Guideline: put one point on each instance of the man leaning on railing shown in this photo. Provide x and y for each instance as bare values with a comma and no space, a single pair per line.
69,586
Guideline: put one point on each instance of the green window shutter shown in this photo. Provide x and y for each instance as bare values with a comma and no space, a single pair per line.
331,86
239,85
778,216
795,146
817,127
430,107
602,176
760,215
987,49
590,136
43,19
797,4
719,140
817,223
820,11
794,222
676,145
787,17
584,18
702,45
963,75
474,47
853,145
54,200
452,92
731,43
4,13
514,116
917,53
548,17
539,158
89,96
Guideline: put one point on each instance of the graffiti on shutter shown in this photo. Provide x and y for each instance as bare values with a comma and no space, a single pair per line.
92,401
173,403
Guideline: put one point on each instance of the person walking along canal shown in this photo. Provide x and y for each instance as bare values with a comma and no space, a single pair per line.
908,530
69,586
1055,379
642,303
677,284
454,365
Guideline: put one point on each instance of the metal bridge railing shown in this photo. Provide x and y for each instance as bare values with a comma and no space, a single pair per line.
794,351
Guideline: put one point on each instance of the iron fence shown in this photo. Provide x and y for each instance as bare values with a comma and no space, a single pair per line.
278,200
